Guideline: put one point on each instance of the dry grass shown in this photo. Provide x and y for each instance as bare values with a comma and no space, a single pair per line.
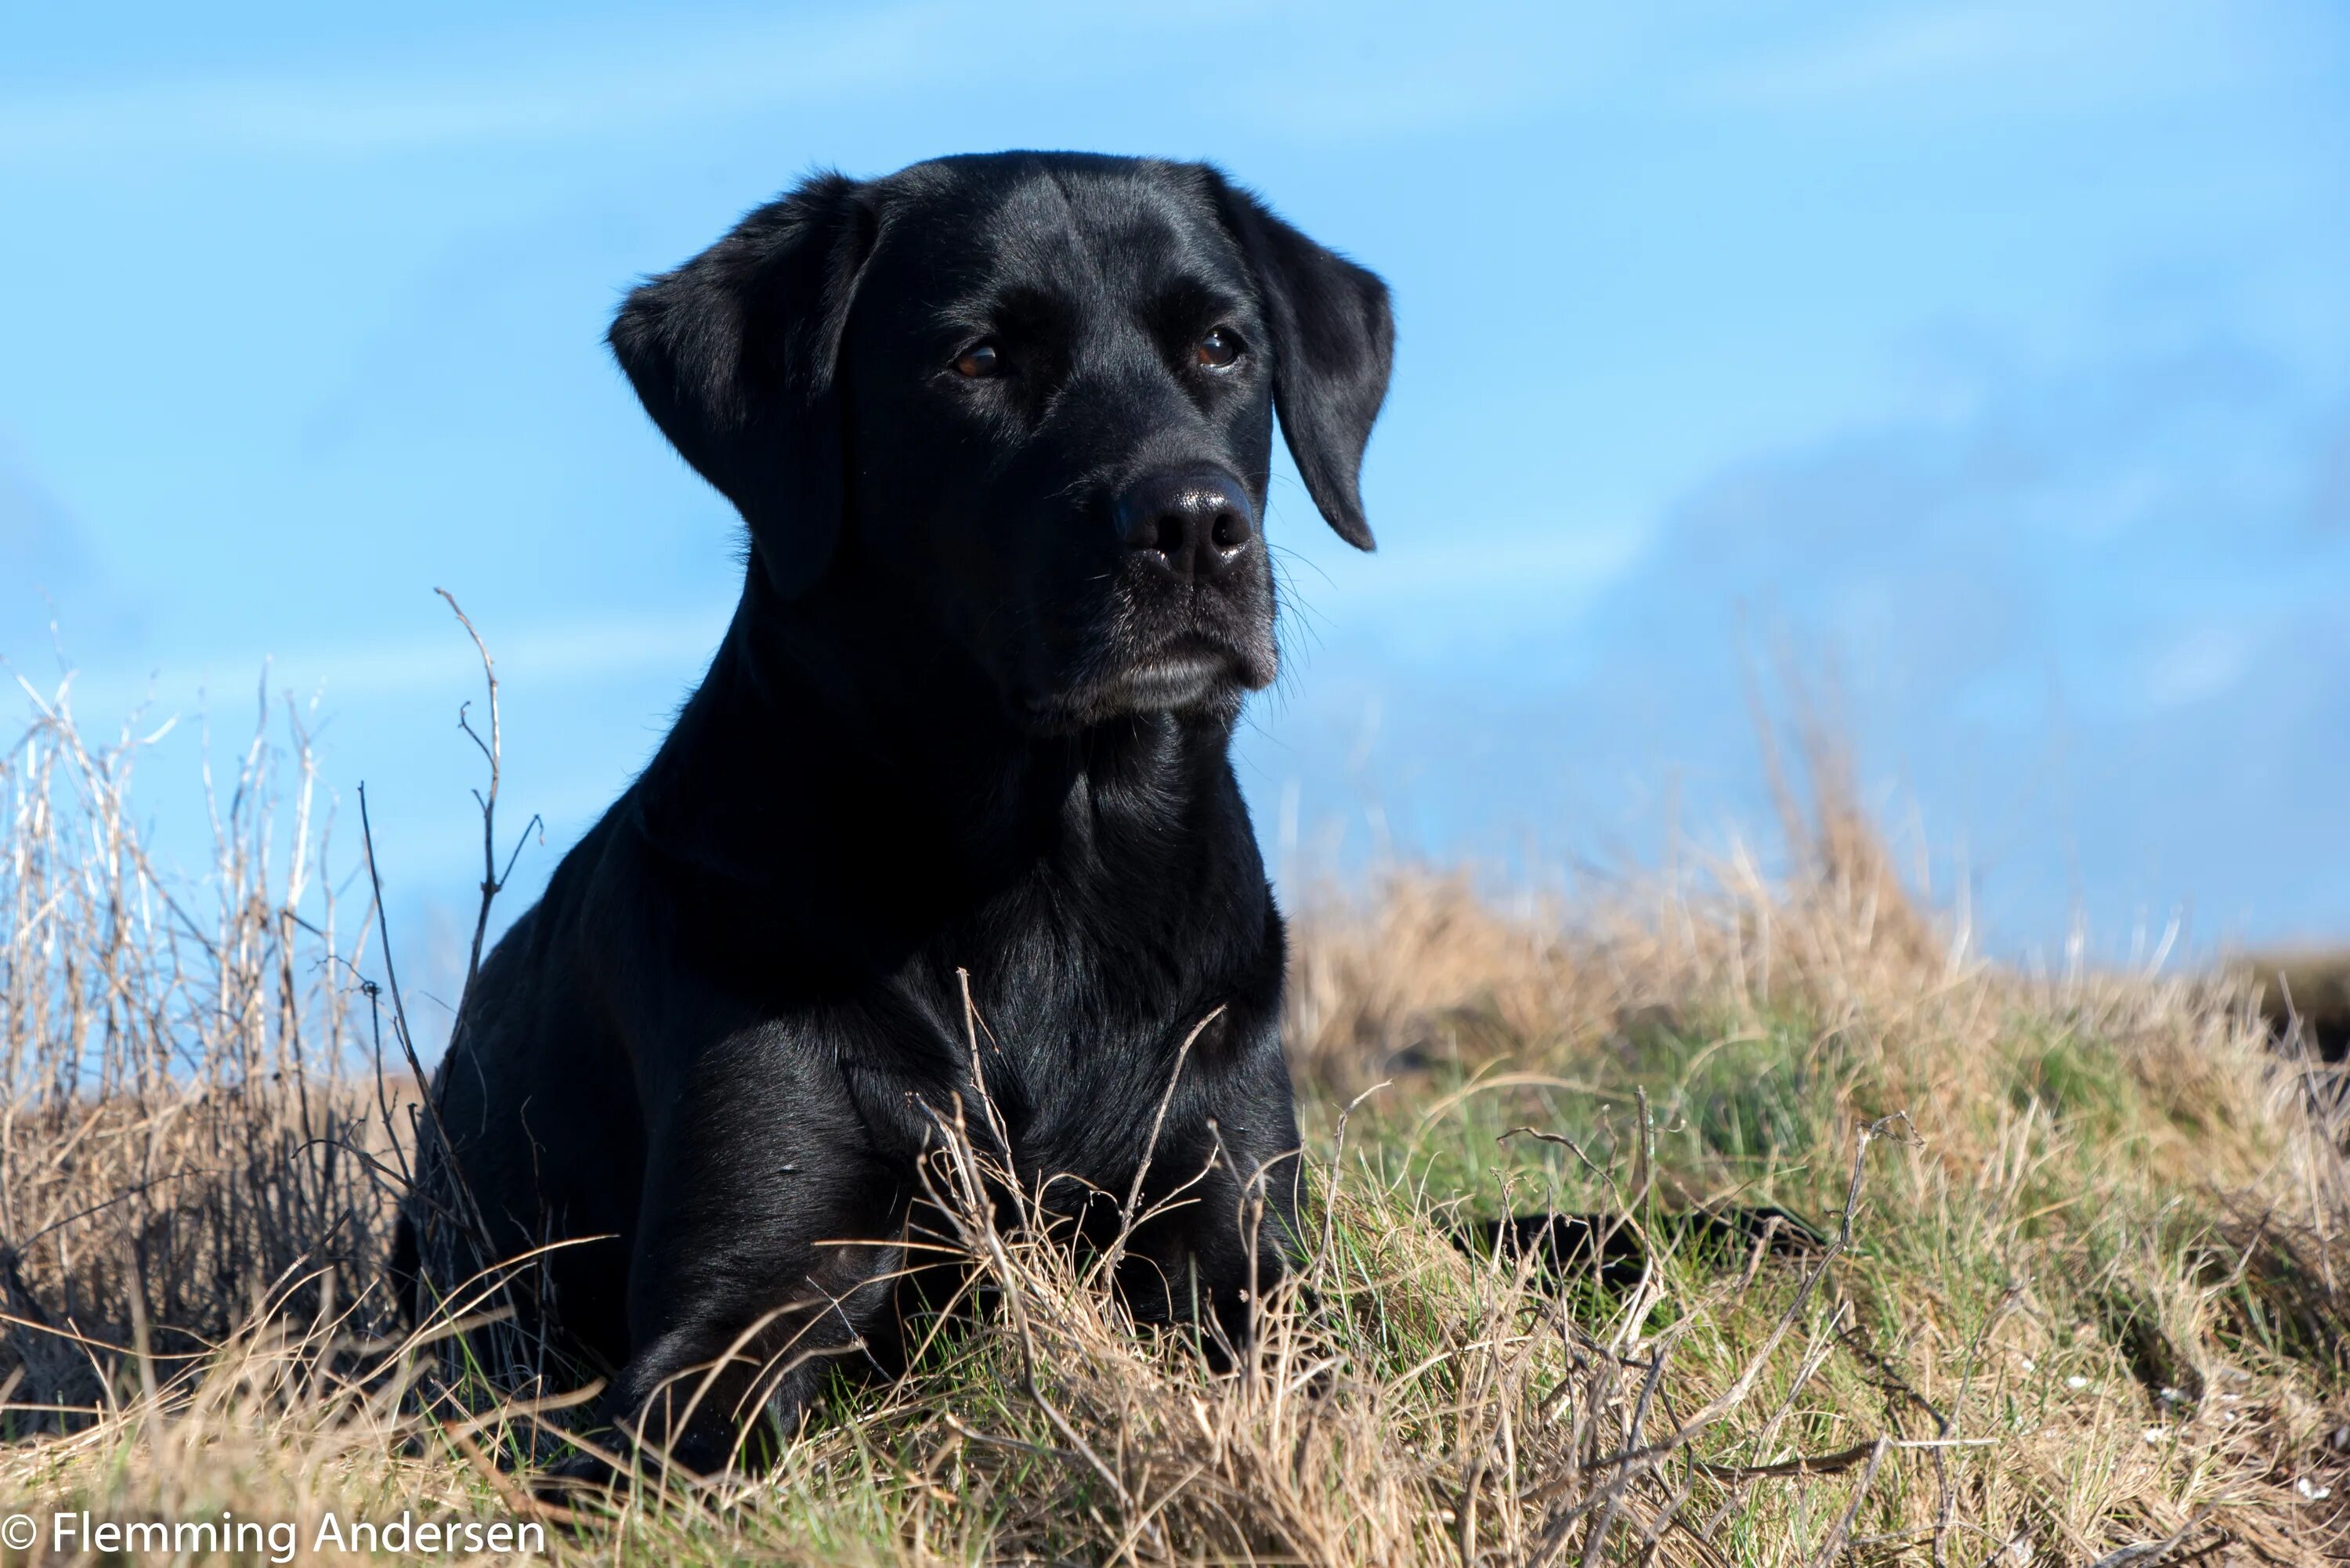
184,1133
2085,1294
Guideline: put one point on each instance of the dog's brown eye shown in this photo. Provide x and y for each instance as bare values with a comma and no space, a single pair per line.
978,362
1218,348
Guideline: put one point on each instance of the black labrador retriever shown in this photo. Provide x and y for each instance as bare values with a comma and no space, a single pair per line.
1001,428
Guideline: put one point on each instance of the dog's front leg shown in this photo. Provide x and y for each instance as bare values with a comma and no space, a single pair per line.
768,1250
736,1365
1227,1236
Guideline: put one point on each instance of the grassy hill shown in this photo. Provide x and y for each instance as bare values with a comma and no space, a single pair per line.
2081,1292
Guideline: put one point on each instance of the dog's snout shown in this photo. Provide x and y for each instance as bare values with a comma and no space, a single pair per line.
1195,524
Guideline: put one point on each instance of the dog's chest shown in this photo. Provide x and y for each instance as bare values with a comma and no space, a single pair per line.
1055,1070
1079,1033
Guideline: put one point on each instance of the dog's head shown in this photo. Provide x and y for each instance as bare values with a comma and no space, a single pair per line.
1030,396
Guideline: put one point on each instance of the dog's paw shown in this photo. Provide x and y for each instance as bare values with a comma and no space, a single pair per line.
583,1477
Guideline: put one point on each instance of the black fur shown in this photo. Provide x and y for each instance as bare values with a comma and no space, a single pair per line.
1611,1251
972,714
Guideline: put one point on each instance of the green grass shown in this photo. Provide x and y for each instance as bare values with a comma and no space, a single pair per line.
2089,1287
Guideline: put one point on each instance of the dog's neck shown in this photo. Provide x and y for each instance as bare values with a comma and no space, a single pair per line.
828,741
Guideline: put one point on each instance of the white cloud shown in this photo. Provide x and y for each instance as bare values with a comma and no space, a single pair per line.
1312,70
2005,56
545,656
1557,562
595,85
1892,53
2205,662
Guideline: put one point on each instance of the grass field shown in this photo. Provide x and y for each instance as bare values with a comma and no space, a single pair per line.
2083,1299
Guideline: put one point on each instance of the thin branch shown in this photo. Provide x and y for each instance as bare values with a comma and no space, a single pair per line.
492,881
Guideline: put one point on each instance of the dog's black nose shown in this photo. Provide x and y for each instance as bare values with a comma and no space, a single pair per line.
1194,524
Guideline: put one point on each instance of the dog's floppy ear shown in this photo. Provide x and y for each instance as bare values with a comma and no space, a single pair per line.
1333,341
734,355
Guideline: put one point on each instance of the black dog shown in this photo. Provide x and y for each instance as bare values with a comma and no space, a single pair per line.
1000,429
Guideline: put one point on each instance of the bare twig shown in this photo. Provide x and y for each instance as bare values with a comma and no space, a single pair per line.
494,880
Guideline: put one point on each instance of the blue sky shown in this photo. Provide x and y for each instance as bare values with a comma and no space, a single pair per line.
1987,364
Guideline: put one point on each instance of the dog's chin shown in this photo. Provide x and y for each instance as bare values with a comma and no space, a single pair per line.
1191,677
